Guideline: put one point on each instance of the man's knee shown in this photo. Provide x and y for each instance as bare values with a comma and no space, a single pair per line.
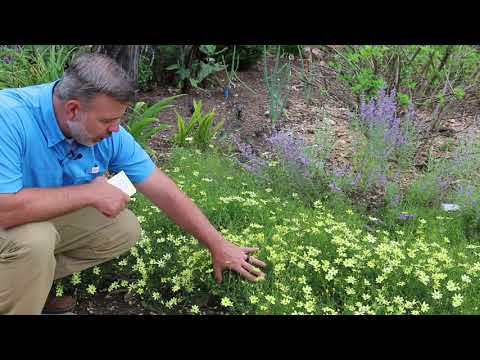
35,241
129,226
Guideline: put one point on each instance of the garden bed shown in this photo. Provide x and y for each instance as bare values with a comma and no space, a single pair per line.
246,120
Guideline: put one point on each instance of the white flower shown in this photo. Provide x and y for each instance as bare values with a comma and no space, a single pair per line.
437,295
457,300
451,286
424,307
351,280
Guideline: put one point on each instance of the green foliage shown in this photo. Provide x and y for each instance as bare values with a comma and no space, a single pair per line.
305,76
243,56
294,50
195,69
425,191
403,100
277,80
33,65
140,121
199,130
145,72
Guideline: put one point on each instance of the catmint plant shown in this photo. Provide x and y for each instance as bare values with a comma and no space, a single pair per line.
389,141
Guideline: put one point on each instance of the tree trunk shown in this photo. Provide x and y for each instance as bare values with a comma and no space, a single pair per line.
128,56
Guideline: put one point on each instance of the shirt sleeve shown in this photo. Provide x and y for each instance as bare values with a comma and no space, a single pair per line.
130,157
11,145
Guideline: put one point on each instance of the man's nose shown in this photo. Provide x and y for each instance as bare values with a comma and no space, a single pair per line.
113,128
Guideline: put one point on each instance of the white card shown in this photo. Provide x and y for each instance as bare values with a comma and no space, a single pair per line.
122,182
450,207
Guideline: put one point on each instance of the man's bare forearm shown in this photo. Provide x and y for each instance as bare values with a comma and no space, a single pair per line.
35,204
162,191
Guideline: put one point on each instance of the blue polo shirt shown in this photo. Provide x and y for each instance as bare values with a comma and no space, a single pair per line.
34,153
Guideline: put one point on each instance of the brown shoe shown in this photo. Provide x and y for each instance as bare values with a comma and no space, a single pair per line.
58,304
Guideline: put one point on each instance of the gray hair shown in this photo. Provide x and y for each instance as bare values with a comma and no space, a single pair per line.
91,74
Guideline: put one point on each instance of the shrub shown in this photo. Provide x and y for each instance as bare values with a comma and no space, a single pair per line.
422,74
195,65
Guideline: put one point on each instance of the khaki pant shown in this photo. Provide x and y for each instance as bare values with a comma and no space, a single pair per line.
35,254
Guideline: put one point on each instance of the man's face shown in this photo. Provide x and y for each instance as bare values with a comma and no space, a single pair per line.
96,122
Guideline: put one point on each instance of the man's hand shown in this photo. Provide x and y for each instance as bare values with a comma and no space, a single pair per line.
163,192
109,200
233,257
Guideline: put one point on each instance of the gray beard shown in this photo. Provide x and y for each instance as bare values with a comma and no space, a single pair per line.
79,133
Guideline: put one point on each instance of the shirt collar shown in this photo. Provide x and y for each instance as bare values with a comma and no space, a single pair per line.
49,121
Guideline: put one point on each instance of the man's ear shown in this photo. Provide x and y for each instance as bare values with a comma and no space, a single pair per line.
71,108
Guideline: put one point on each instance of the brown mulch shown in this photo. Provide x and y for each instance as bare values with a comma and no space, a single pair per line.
110,304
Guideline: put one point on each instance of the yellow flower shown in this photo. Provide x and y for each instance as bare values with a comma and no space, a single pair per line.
307,290
451,286
350,291
59,290
226,302
285,301
91,289
76,278
270,299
